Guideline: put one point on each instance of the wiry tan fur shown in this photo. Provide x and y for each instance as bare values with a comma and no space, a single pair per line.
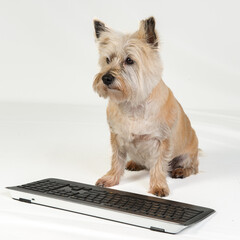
146,121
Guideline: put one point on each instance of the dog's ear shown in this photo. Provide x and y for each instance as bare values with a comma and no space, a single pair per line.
99,27
147,31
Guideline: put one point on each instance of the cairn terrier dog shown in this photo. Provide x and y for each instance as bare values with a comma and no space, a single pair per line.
147,124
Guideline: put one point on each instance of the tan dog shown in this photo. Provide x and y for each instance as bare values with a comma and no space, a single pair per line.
146,122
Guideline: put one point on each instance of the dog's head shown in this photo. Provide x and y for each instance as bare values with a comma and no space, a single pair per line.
130,63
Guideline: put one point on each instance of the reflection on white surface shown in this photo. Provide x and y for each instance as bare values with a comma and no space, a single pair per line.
72,142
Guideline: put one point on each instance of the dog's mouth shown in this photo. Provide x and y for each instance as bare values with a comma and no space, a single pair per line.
112,87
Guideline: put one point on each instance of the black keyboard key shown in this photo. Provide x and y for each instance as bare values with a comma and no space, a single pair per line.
75,188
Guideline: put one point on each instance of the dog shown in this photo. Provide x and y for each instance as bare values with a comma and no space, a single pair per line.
147,123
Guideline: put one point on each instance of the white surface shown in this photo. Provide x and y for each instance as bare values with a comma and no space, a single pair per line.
72,142
48,53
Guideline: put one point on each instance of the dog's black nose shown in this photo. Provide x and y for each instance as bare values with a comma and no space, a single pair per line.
107,79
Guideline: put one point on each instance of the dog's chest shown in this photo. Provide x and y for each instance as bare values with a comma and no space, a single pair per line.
139,136
131,129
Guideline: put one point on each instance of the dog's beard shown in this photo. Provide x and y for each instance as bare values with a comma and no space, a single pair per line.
140,84
131,78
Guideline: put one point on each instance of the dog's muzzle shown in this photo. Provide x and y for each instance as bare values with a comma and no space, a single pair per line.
107,79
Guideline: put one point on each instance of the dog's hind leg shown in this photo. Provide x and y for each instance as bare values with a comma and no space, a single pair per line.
184,165
133,166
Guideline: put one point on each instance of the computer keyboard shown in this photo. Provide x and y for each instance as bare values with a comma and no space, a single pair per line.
155,213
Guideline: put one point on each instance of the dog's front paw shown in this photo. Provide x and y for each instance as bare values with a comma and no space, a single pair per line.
107,181
159,191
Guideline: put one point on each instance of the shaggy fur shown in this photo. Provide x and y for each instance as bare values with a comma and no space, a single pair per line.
146,122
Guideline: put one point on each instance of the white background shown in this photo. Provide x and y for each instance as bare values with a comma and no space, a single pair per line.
52,124
48,53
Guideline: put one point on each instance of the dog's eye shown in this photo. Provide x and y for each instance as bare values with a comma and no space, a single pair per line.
107,60
129,61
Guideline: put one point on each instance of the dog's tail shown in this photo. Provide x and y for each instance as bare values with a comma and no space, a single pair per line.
200,153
